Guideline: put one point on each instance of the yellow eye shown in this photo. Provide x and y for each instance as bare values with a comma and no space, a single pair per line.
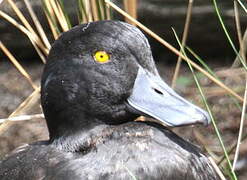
102,57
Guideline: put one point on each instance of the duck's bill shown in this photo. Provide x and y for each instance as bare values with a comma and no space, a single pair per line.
153,97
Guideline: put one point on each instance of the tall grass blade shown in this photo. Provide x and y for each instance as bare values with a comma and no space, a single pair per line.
21,17
88,10
51,18
238,26
99,10
185,35
82,11
79,12
241,126
22,118
37,24
208,109
217,169
17,65
103,9
27,25
202,62
230,150
243,50
37,45
242,44
242,5
64,13
130,7
130,173
59,15
213,74
227,34
108,11
95,10
28,103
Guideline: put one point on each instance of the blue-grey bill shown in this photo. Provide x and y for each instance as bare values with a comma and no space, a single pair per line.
153,97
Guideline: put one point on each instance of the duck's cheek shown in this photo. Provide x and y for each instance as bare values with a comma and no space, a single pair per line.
108,104
110,114
153,97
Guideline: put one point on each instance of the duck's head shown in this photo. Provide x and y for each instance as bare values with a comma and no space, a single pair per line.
103,72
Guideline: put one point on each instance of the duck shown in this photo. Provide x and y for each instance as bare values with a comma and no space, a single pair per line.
98,79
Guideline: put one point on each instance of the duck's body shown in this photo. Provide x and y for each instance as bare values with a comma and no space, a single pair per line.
99,77
128,151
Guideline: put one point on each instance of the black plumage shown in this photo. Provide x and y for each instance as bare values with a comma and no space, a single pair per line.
90,111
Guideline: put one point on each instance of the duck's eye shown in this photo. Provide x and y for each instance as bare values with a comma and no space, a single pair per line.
101,57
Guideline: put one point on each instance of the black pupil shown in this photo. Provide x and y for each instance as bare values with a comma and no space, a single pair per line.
101,56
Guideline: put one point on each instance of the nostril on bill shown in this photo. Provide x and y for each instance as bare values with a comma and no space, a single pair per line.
158,91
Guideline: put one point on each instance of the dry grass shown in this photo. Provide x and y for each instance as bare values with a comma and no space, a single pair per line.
185,35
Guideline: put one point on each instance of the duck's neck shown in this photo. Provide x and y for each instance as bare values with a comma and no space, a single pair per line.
71,131
81,140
